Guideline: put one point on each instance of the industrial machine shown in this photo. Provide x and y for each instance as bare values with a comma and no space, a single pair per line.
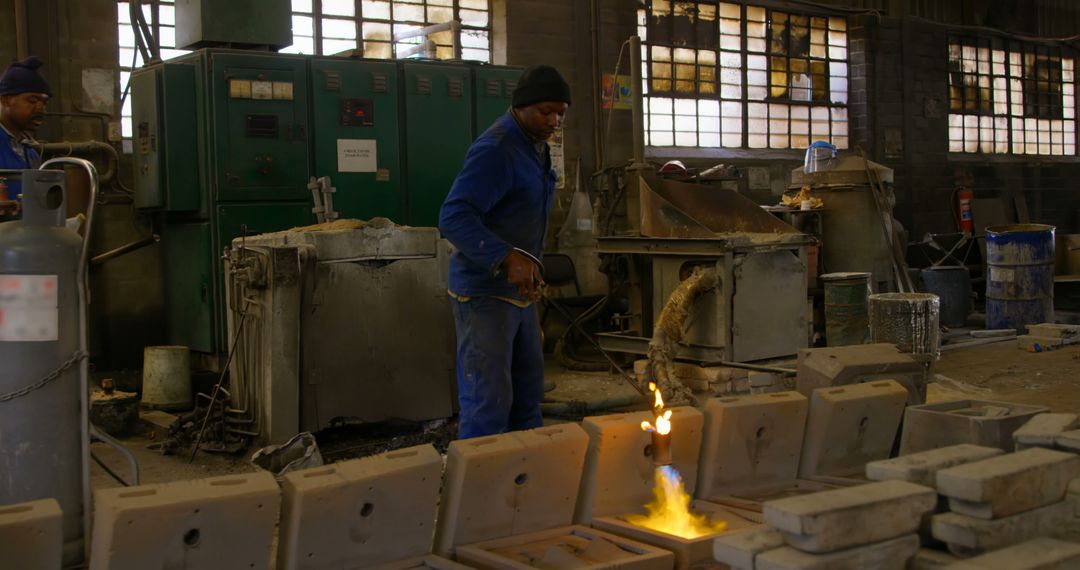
226,142
759,309
340,324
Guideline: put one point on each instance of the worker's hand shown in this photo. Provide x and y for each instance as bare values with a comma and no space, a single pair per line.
522,273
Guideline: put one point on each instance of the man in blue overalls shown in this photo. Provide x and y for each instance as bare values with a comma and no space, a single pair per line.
23,95
496,217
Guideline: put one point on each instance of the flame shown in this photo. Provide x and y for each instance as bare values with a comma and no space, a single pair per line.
669,511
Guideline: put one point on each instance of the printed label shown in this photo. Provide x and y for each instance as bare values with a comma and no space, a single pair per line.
29,308
1002,274
356,155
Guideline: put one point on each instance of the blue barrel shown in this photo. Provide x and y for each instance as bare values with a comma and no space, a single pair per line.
953,285
1020,276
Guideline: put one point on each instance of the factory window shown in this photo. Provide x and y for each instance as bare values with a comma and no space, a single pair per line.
720,74
160,16
328,27
1010,97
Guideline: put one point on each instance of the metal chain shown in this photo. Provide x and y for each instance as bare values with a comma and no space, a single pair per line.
75,357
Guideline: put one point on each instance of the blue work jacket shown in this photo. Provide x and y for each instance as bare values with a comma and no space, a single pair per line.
499,201
9,159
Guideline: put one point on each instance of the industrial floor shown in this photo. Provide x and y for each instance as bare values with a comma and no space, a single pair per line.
997,371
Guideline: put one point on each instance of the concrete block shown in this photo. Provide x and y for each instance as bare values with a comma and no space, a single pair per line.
1036,554
852,516
740,549
429,562
369,511
1041,430
849,426
751,442
689,552
219,522
843,365
566,547
929,559
921,468
619,472
1068,440
978,422
887,555
1009,484
509,484
968,535
31,535
1053,330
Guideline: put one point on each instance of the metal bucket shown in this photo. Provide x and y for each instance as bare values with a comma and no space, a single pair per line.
846,300
167,378
953,285
1020,280
908,320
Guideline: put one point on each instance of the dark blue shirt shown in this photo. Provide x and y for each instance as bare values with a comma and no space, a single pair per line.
499,201
16,154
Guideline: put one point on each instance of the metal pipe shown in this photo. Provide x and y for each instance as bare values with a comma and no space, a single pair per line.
637,102
84,369
661,449
83,148
21,38
124,249
133,463
755,367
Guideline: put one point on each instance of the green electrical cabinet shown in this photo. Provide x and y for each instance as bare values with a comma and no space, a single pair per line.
190,299
494,88
438,132
258,126
356,139
164,141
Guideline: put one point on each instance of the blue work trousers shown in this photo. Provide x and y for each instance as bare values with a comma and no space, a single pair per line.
500,367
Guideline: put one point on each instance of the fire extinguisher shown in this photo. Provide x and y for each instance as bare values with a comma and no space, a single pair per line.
964,221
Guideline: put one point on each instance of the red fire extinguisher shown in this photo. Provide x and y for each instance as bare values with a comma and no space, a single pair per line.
964,221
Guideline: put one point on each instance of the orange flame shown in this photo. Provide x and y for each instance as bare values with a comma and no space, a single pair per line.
669,512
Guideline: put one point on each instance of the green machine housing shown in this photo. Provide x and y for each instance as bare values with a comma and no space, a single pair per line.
226,141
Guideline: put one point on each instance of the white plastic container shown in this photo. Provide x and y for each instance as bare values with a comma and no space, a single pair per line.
167,378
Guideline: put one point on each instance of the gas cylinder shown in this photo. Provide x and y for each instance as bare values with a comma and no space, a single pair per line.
42,426
964,219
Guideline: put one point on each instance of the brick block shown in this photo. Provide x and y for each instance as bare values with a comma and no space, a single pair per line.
1036,554
619,472
369,511
928,559
887,555
978,422
566,547
968,535
852,516
430,561
921,468
1041,430
509,484
751,442
843,365
1009,484
219,522
740,549
31,535
850,426
1069,440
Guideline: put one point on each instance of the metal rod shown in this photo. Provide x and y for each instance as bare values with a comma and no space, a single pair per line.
217,387
745,366
133,462
124,249
637,101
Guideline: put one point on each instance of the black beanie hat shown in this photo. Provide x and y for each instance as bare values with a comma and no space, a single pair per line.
23,77
541,83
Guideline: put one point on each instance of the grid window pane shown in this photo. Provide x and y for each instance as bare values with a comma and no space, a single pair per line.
161,18
1010,97
778,64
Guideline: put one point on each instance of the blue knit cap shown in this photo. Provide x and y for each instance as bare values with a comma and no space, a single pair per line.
23,77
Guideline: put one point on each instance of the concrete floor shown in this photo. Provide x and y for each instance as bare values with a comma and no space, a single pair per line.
995,372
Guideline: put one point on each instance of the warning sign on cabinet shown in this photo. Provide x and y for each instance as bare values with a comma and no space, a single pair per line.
356,155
